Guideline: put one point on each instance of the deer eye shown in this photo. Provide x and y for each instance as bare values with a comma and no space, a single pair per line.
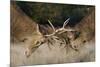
37,42
77,34
23,40
84,41
42,42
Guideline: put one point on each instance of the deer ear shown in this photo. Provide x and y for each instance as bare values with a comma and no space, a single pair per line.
37,29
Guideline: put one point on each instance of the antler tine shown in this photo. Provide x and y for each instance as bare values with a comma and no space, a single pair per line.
66,30
66,22
51,25
52,28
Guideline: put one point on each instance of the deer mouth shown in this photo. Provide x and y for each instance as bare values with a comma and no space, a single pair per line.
28,52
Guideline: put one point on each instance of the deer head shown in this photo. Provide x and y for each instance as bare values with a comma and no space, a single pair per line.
39,39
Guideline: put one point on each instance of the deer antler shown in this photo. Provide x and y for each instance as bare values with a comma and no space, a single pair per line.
63,29
51,25
66,22
60,30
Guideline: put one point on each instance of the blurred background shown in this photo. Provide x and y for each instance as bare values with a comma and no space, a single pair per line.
56,13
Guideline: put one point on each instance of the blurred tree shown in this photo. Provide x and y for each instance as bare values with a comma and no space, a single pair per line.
56,13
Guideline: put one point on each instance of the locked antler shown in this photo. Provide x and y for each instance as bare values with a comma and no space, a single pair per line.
60,30
41,39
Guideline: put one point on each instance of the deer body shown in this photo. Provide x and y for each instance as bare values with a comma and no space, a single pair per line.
21,25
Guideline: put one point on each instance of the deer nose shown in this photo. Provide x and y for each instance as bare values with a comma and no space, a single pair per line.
27,53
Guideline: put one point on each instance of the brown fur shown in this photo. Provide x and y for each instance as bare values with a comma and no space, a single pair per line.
21,24
86,27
